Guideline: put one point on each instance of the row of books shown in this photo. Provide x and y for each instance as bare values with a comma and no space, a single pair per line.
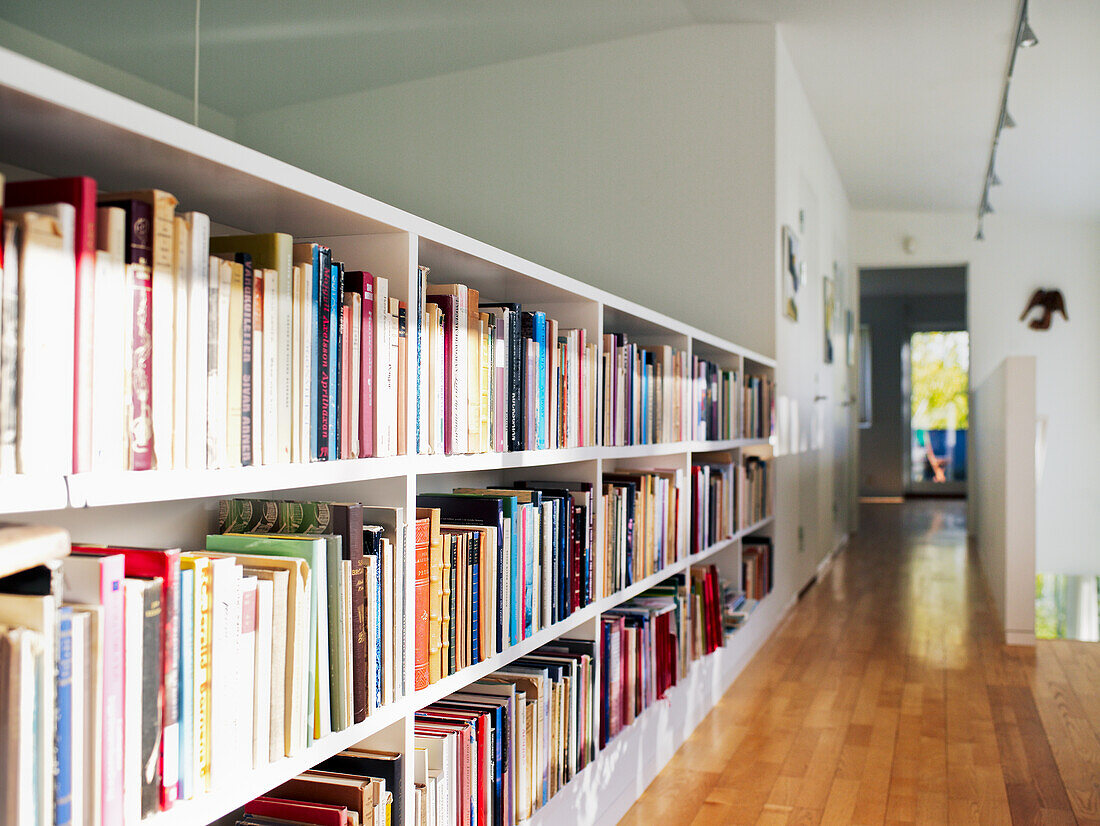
177,671
644,392
757,567
713,499
357,787
500,749
731,405
203,352
502,564
755,490
493,377
642,519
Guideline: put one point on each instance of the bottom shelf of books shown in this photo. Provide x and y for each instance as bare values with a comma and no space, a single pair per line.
273,671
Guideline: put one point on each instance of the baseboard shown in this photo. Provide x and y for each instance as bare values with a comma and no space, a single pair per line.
1020,638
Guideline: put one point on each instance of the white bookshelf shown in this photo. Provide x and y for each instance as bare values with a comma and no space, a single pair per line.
55,125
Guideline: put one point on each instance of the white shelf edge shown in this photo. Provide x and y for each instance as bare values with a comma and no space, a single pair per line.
755,526
23,493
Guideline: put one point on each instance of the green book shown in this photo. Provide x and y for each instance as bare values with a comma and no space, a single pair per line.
314,550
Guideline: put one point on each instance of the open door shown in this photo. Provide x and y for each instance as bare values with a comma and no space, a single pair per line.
936,372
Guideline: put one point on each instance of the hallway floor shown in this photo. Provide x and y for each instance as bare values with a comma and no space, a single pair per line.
885,697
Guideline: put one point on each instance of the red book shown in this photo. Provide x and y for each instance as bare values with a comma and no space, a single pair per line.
363,283
152,562
423,541
80,192
139,266
317,814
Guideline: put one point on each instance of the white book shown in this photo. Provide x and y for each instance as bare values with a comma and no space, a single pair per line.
47,293
393,381
296,364
284,335
9,346
20,743
261,706
461,367
181,268
276,695
272,377
131,738
109,341
225,577
306,400
198,329
91,756
214,434
382,402
221,387
78,714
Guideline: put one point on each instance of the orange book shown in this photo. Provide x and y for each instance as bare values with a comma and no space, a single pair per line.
423,541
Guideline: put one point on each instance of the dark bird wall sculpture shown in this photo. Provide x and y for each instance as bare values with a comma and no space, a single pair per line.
1048,302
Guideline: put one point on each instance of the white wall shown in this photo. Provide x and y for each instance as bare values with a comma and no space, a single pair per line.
642,165
1019,254
815,479
1004,413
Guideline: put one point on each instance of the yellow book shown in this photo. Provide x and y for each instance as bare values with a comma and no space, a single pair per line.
473,374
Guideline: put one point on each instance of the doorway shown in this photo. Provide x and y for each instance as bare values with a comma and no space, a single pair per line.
937,386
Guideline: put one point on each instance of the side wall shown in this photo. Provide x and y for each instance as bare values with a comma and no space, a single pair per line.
1019,254
641,165
1004,412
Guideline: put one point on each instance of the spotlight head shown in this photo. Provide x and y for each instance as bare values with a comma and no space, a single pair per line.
980,234
1027,36
993,179
1008,122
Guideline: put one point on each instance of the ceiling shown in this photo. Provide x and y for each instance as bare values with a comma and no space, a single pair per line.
906,91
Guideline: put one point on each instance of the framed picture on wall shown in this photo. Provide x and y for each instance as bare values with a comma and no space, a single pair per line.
792,273
828,300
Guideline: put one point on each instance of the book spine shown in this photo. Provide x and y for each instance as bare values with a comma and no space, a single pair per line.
421,361
151,689
348,523
284,362
460,375
366,369
323,406
9,345
186,613
139,260
198,334
170,659
313,340
273,384
247,288
215,414
381,362
335,302
180,307
63,743
421,592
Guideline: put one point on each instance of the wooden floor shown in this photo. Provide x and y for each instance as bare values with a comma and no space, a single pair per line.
886,697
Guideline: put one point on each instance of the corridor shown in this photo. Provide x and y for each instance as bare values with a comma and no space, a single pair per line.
885,697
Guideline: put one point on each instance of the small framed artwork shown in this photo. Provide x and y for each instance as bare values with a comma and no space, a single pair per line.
828,299
792,273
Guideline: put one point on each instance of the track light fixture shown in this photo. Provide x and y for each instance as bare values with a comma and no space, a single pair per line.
1025,38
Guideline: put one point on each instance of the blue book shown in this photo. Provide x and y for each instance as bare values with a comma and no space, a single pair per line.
63,746
532,538
187,682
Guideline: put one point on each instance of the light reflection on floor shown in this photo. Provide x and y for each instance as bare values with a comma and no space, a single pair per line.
1066,607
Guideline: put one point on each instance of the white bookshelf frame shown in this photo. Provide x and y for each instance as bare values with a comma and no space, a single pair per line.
54,124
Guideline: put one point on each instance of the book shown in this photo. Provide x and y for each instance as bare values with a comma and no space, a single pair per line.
80,193
356,794
273,251
162,309
362,284
96,579
148,594
47,275
452,300
369,763
291,811
112,305
138,332
422,593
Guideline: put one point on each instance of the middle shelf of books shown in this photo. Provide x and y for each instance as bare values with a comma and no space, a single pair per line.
309,502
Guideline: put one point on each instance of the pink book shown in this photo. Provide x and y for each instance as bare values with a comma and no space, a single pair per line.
155,562
500,390
345,381
96,579
363,283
